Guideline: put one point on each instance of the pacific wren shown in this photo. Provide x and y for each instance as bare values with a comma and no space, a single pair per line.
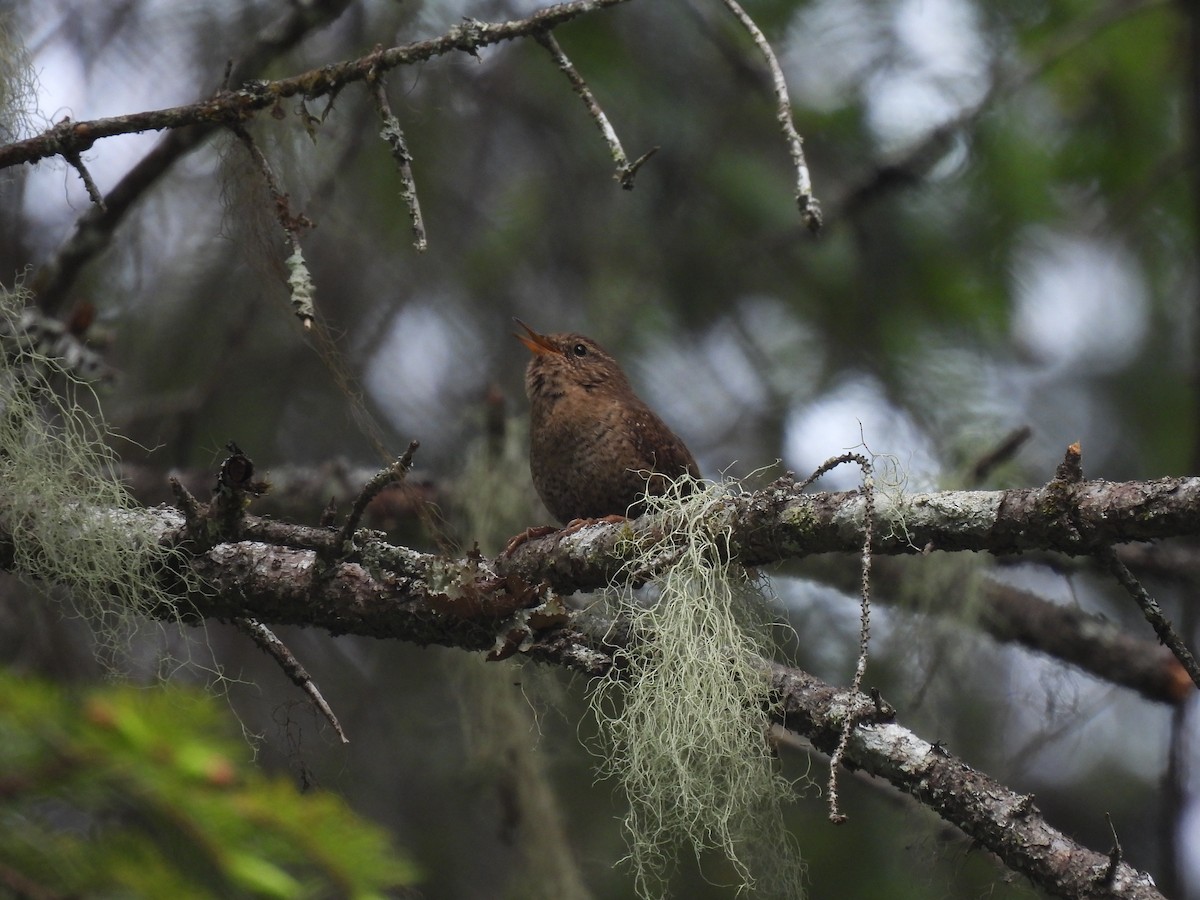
595,448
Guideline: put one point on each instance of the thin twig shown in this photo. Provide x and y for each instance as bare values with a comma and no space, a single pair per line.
864,635
810,209
394,135
93,192
1114,854
1000,454
1152,611
393,474
184,501
266,640
300,283
625,171
1065,490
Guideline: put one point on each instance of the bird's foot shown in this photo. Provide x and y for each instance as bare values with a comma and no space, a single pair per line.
575,524
534,531
571,527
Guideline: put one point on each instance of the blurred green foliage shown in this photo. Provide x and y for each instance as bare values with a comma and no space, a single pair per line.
128,792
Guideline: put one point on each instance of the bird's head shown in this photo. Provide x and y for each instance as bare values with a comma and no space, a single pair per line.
568,362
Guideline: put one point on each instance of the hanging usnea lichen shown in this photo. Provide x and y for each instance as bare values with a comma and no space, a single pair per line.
69,518
686,722
18,83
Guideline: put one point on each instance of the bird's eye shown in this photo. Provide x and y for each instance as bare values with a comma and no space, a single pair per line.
579,350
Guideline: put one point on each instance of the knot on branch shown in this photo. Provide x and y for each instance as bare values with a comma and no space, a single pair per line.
222,519
468,36
232,108
72,137
1063,492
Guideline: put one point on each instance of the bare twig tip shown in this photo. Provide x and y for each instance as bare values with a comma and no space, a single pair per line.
89,184
270,644
1114,854
625,171
627,174
810,211
1070,469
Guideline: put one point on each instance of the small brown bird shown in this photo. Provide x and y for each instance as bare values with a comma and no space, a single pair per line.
594,447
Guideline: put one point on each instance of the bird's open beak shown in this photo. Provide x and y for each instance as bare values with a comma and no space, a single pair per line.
537,343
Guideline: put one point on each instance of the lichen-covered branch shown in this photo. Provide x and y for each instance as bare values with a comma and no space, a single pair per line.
1008,824
392,592
780,523
393,134
774,524
1091,643
1004,822
300,283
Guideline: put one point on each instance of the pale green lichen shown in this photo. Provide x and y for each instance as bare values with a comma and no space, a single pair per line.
71,521
18,83
685,723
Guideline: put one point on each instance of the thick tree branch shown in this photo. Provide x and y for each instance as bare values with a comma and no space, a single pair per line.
1093,644
1090,642
765,526
1006,823
780,523
474,604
